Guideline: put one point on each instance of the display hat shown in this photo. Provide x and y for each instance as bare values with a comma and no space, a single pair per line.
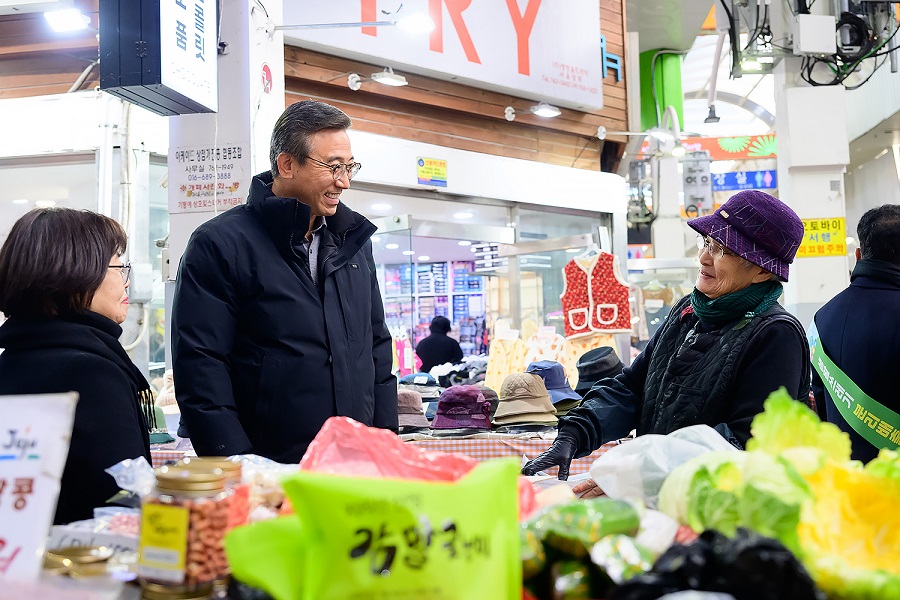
419,379
595,365
491,396
409,409
757,227
524,394
555,380
428,392
462,406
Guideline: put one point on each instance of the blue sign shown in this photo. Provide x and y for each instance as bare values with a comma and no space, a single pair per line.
744,180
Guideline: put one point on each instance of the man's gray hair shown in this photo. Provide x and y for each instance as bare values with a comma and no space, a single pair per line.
299,121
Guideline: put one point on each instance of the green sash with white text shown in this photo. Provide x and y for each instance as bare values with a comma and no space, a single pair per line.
878,424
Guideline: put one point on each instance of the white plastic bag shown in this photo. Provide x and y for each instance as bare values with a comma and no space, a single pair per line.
637,469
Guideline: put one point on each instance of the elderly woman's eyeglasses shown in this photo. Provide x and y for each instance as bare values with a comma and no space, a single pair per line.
715,249
124,271
340,169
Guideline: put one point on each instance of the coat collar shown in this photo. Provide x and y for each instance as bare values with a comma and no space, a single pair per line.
286,218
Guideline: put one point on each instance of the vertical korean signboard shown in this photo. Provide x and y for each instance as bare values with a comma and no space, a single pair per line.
189,49
33,450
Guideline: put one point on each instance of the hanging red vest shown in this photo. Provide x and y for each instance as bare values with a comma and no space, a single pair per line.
595,298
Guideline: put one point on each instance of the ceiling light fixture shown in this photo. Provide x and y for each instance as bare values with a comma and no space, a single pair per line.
45,203
20,201
463,243
408,253
392,246
424,258
388,77
67,19
545,110
375,239
381,206
462,215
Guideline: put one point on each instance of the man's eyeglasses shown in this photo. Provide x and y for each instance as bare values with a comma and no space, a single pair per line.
124,271
340,169
715,249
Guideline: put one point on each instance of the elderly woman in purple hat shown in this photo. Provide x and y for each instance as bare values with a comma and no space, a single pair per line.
724,348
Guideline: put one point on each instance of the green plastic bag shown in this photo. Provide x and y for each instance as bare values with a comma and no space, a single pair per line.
389,538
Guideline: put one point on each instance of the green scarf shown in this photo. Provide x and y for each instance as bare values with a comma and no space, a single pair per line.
747,303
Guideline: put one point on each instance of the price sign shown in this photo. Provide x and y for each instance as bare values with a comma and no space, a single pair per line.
393,539
34,443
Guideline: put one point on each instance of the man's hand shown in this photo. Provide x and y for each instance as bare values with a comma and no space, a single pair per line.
559,454
588,489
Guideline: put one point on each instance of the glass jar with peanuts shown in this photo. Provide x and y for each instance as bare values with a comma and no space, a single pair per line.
238,492
183,523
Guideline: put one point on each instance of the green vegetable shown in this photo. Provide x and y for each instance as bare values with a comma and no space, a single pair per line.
786,424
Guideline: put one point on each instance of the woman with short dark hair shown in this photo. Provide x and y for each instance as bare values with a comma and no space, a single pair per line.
64,289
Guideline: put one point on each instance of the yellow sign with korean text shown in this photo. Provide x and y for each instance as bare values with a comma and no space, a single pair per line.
431,171
823,237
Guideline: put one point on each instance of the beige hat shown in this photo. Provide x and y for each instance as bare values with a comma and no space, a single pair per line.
523,394
526,418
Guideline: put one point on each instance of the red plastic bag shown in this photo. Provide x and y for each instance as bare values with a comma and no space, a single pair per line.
347,447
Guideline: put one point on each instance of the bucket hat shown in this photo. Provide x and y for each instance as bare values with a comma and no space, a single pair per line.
460,407
757,227
524,394
409,409
555,380
428,392
595,365
491,396
419,379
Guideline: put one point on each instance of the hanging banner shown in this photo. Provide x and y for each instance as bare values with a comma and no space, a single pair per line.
205,178
729,148
823,237
33,451
745,180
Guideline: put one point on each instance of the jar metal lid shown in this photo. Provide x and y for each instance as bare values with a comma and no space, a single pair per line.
231,469
79,554
190,479
156,591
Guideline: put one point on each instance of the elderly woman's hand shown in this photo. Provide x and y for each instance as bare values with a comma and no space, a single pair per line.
559,454
588,489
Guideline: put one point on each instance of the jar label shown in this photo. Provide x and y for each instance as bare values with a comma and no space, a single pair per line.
164,531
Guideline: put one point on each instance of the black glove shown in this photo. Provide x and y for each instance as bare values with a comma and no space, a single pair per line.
559,454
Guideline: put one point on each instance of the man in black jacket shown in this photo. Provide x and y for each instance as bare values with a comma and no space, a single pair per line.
859,330
438,348
278,322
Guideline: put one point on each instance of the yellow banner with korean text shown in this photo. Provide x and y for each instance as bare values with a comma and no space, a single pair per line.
823,237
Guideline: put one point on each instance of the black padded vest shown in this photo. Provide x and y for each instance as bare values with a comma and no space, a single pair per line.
690,373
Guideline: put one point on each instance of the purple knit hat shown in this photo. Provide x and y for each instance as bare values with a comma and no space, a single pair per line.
757,227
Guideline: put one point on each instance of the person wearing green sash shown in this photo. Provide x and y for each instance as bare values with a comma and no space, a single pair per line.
858,341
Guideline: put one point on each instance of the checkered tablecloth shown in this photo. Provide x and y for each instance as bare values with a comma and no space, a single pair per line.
161,457
487,448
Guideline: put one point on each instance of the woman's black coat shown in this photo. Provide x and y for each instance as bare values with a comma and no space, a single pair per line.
81,354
